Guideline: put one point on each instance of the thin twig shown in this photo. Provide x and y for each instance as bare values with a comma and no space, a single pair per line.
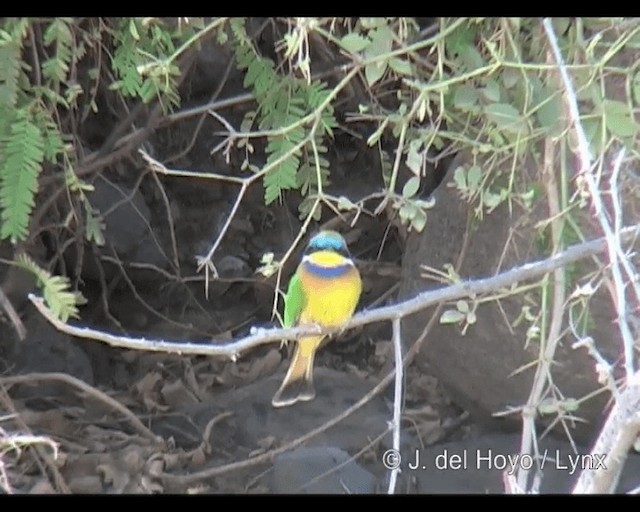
172,230
548,348
397,401
8,308
208,259
618,435
585,159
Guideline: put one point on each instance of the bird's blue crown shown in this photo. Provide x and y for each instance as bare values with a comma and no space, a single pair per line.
328,240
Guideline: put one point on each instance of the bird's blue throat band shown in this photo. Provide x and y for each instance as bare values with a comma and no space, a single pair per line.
327,272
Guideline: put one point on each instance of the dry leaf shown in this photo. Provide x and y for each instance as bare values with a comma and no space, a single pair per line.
176,394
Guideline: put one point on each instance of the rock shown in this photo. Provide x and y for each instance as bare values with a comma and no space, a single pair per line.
478,368
255,419
47,350
127,231
298,471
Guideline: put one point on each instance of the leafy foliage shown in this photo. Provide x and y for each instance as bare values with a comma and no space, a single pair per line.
10,69
55,289
28,135
58,33
285,102
376,44
24,153
144,58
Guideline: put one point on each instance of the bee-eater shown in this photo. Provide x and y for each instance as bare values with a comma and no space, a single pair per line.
324,290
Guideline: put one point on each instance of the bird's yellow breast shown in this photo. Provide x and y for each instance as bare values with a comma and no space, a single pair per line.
332,287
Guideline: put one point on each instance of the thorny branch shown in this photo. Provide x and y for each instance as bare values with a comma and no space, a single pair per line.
623,423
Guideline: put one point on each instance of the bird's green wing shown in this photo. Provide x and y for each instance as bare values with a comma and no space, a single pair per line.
294,301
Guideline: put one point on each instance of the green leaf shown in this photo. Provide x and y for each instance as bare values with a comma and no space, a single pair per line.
510,77
460,178
354,43
414,157
491,199
371,22
491,91
451,316
570,404
344,203
560,25
618,118
594,132
549,105
133,30
221,36
408,211
422,109
24,154
411,187
505,117
283,175
473,177
57,67
549,406
465,97
400,66
462,306
635,85
375,136
459,39
10,64
305,208
283,100
62,303
419,221
472,58
381,41
374,71
94,227
471,317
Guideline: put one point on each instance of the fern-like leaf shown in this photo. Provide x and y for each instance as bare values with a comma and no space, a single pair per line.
57,67
142,60
11,65
55,289
283,175
24,153
282,102
53,144
9,73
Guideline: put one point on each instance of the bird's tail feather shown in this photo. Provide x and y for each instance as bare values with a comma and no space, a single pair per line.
298,382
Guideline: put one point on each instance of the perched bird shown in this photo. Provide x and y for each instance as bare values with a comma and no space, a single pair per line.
324,290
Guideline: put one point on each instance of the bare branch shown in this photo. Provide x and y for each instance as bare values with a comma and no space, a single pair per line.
397,401
585,171
617,436
400,310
